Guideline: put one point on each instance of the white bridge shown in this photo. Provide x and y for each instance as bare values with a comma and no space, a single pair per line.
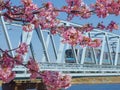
53,55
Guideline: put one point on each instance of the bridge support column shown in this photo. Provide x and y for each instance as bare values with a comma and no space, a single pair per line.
6,34
109,50
102,51
60,52
117,50
75,54
83,55
41,38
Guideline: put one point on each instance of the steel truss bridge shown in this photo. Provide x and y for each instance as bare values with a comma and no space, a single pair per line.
53,55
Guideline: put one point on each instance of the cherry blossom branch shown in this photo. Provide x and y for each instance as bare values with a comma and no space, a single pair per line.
62,81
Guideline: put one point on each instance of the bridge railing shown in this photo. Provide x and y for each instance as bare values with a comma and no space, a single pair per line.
72,69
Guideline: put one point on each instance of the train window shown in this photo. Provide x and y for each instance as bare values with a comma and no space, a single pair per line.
68,53
98,54
69,56
105,55
89,54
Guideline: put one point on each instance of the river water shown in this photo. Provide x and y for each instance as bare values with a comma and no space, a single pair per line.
95,87
92,87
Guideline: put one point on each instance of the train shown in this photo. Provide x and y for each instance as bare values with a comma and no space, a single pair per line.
70,57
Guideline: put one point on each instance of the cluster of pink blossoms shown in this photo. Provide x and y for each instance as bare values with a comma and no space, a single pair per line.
23,48
74,37
33,67
46,17
6,74
55,80
111,26
76,8
28,27
7,63
105,7
29,7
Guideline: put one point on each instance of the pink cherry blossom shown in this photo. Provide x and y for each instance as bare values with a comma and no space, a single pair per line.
72,36
36,22
74,2
2,2
101,10
95,43
18,59
114,7
6,74
112,26
28,27
23,48
33,67
7,61
85,12
76,8
55,80
66,81
29,8
101,26
105,7
87,27
53,31
26,2
85,41
46,17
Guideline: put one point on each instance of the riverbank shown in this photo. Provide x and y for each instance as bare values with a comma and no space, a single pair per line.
96,80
